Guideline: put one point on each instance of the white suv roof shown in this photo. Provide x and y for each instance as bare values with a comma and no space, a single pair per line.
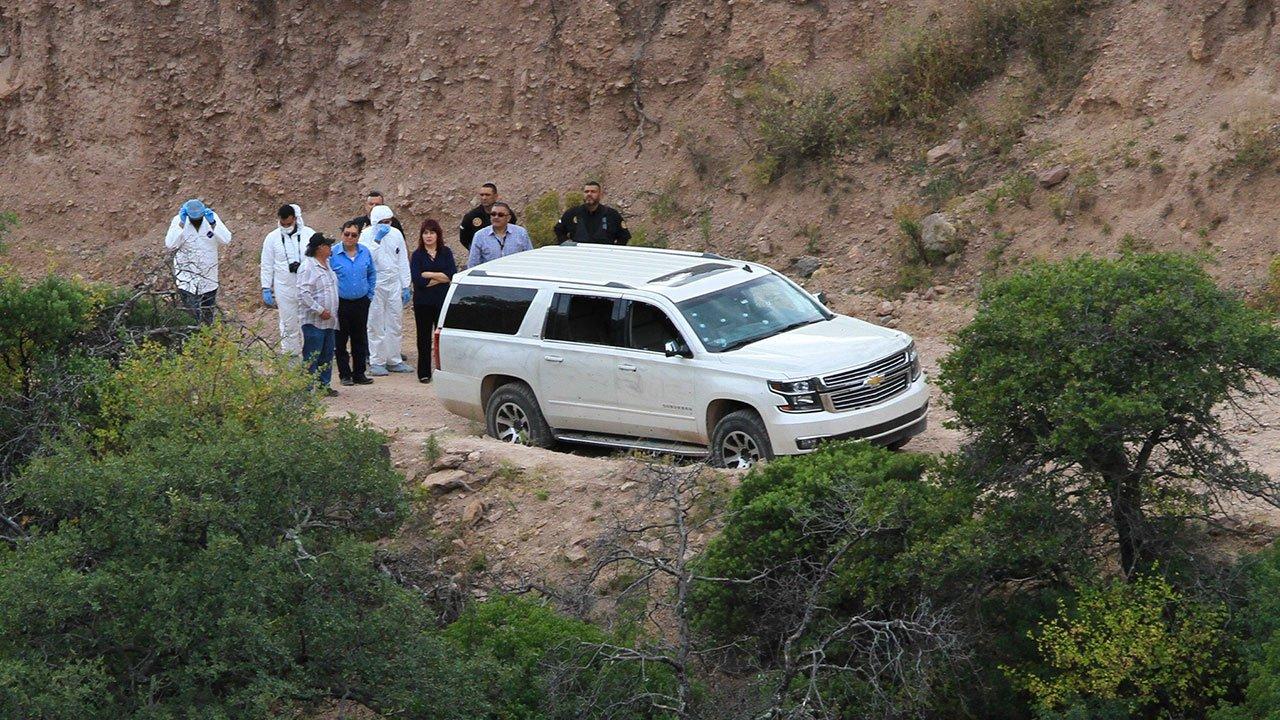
674,273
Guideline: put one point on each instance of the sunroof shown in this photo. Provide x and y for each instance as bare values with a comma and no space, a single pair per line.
688,275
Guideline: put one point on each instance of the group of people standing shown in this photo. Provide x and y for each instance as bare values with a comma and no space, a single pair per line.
346,303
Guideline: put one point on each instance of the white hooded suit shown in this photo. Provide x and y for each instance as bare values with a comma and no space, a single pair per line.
280,248
386,312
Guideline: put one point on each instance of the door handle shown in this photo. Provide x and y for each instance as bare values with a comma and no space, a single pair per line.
627,368
553,358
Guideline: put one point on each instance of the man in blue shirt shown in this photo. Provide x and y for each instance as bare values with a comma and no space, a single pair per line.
500,239
357,280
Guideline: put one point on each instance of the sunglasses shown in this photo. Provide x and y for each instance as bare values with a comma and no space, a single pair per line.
498,214
350,234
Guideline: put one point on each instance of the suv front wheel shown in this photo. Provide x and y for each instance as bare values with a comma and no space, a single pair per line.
512,415
740,440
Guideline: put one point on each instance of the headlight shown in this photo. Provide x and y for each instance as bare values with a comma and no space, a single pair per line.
801,395
914,358
791,388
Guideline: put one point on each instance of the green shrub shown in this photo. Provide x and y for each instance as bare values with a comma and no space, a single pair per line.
522,639
666,205
800,124
540,216
901,535
1254,145
1018,187
8,221
1271,290
1257,629
1136,649
935,66
211,378
49,377
209,559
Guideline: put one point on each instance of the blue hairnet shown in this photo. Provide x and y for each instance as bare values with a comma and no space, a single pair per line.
194,208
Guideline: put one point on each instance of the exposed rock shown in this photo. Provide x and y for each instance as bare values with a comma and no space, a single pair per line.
575,554
930,295
885,309
449,461
472,513
806,265
1052,176
937,234
946,152
764,247
445,481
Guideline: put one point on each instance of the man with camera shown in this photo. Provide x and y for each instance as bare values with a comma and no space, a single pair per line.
282,253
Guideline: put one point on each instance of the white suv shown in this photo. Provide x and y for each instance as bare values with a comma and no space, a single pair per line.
669,351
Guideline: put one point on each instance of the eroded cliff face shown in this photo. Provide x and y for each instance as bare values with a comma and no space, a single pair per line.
114,112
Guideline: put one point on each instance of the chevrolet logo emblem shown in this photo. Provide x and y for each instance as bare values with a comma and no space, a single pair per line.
874,381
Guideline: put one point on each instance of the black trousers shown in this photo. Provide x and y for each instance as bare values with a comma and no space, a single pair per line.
202,306
353,329
424,319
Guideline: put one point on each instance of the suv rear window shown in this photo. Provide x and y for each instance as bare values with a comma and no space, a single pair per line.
488,308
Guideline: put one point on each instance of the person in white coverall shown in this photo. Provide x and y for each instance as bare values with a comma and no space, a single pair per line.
392,294
194,236
283,251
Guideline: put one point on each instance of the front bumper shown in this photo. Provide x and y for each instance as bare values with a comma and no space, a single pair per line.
905,416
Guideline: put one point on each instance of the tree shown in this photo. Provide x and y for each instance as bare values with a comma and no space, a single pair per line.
1099,381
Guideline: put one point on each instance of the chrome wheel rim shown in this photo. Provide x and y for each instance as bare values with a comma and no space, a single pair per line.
739,450
511,423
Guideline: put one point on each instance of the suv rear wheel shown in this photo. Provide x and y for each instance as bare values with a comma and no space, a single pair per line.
740,440
512,415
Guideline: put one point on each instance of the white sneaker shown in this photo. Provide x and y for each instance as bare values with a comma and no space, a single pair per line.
378,370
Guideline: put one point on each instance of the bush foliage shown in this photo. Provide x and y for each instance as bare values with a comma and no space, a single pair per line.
933,67
209,558
1136,649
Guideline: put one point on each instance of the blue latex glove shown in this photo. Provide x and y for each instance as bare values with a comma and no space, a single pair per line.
182,216
405,295
381,231
208,216
268,298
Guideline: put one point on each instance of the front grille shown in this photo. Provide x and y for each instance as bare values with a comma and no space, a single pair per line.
857,376
863,396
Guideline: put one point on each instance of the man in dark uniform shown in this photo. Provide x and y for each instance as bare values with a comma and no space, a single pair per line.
592,222
478,217
373,199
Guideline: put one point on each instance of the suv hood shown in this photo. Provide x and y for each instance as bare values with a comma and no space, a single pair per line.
818,349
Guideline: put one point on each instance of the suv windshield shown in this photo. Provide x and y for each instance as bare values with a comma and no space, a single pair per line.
742,314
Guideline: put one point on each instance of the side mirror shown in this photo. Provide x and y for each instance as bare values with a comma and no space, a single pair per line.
821,297
675,348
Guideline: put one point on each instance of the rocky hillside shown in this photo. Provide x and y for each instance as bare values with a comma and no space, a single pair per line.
1161,117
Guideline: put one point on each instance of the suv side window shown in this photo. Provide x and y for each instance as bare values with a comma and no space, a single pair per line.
582,319
649,328
488,308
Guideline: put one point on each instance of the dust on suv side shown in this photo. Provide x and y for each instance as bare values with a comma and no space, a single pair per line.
670,351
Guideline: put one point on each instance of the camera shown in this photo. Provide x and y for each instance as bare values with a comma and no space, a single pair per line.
293,266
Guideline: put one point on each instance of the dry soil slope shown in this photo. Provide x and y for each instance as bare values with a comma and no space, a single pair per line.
114,112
